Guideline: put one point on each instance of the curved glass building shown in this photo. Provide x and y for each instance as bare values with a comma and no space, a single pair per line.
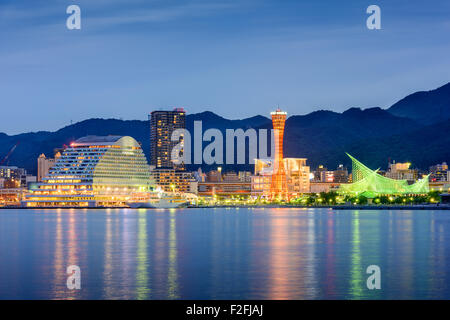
94,171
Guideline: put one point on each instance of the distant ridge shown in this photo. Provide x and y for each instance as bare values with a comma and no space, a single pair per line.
415,129
425,106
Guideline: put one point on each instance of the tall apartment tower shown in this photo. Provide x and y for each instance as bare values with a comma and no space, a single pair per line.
278,187
162,125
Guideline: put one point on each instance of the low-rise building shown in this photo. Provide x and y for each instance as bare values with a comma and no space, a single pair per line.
340,175
224,189
11,196
172,180
44,164
439,172
402,171
14,177
318,186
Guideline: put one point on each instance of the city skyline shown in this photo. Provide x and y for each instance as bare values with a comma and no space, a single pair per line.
224,153
220,113
234,58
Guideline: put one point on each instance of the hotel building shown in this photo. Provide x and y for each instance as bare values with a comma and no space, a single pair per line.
94,171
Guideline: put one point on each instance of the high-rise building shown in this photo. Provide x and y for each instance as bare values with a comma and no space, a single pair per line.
278,187
44,165
94,171
162,126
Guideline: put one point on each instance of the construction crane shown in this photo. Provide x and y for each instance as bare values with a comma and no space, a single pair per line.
9,153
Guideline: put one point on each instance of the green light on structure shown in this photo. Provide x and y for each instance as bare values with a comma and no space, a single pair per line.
369,183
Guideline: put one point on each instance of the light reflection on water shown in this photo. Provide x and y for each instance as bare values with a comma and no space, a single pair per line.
224,253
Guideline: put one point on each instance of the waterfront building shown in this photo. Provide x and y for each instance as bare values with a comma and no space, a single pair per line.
11,196
340,175
440,186
162,126
318,173
369,183
230,176
401,171
327,176
439,172
318,186
12,172
44,164
199,175
15,177
245,176
297,175
171,180
94,171
278,185
224,189
214,175
262,178
27,181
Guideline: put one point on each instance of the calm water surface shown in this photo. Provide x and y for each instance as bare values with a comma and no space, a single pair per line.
224,253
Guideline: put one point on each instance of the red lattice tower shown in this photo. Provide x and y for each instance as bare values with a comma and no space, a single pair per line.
278,187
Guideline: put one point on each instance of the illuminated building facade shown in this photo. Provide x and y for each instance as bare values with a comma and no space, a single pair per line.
370,184
14,177
11,196
171,180
297,177
224,189
439,172
94,171
340,175
44,164
401,171
162,126
278,186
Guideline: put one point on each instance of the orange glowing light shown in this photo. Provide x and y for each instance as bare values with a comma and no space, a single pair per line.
278,187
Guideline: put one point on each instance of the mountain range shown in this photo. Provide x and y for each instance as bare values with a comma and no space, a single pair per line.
415,129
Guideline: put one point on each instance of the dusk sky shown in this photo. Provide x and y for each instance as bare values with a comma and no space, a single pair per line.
235,58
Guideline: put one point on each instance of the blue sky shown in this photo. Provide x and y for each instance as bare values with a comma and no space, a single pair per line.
236,58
